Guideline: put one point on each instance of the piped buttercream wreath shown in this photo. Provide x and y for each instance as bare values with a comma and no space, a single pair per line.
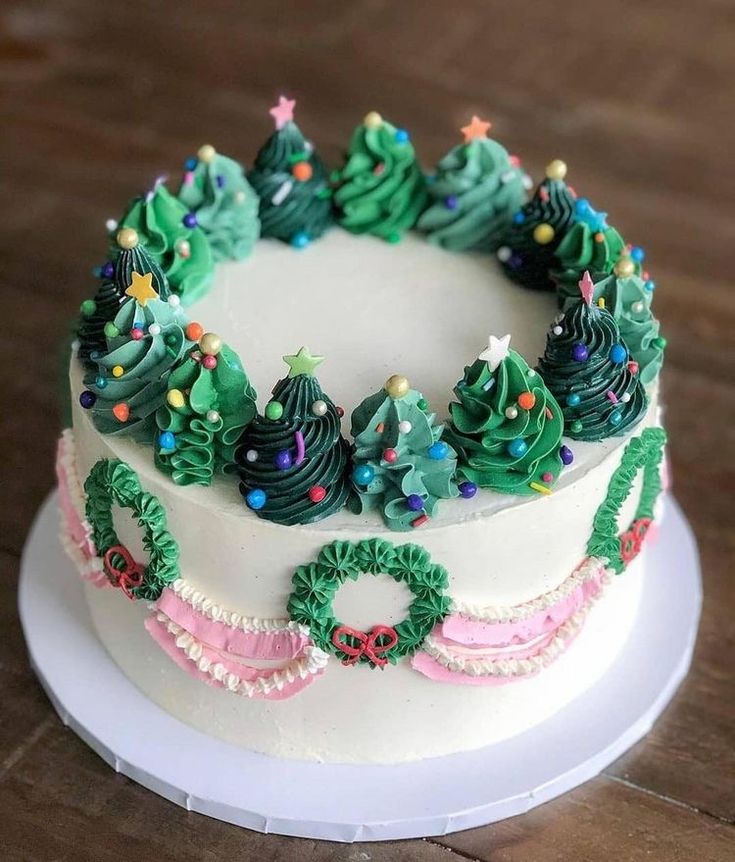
112,482
316,584
642,453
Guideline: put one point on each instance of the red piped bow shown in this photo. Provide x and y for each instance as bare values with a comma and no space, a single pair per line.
368,645
631,541
129,576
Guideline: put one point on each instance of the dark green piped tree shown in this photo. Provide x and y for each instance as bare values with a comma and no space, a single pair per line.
129,257
586,366
291,182
293,461
527,252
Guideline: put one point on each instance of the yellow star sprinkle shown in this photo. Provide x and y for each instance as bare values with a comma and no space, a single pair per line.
141,288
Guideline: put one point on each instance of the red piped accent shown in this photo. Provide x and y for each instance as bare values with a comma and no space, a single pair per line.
631,541
368,645
127,578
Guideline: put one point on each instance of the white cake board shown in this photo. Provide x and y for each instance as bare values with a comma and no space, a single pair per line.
345,802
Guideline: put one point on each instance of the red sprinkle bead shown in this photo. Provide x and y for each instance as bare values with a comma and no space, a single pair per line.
547,477
633,367
317,493
390,455
136,334
526,400
209,361
340,412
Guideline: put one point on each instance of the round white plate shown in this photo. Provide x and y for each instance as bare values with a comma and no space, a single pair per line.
346,802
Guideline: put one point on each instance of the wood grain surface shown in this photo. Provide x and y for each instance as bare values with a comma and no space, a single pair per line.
97,98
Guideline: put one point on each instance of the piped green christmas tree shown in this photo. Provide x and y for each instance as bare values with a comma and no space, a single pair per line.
144,342
293,460
505,425
129,256
402,467
214,188
628,299
381,189
527,251
209,403
588,369
590,244
291,182
476,191
169,233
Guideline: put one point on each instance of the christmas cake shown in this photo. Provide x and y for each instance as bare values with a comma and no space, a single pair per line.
427,541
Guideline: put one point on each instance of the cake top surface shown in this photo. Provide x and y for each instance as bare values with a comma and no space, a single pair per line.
372,309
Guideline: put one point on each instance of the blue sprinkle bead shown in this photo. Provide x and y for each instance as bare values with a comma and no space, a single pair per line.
283,460
519,218
618,354
566,455
573,399
190,220
467,490
438,451
402,136
616,417
108,269
517,448
637,254
100,382
220,180
414,502
300,240
256,499
190,164
649,285
363,474
87,399
166,440
450,202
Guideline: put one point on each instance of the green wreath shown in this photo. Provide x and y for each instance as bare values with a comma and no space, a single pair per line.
315,586
112,481
642,453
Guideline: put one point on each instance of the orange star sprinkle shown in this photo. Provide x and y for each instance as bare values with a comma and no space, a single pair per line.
476,128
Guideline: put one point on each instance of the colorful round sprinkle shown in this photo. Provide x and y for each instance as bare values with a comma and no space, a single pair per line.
414,502
273,410
363,474
256,499
87,399
618,354
580,352
566,455
283,460
438,451
573,399
517,448
526,400
317,493
390,456
166,440
467,490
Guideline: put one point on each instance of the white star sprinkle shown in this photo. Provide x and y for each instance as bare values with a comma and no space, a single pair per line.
496,352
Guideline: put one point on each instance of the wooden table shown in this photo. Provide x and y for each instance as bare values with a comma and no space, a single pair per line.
98,98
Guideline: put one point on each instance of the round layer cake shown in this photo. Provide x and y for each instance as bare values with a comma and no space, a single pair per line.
518,594
392,557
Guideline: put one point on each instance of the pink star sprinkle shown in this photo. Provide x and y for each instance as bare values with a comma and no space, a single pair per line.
282,113
586,287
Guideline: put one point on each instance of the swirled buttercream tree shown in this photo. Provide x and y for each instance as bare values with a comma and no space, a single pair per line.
144,342
209,403
293,460
291,182
214,188
527,250
505,425
402,467
588,369
169,233
477,189
381,189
